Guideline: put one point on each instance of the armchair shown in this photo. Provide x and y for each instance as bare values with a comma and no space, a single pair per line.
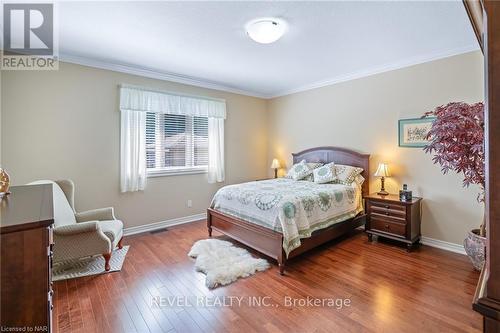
83,234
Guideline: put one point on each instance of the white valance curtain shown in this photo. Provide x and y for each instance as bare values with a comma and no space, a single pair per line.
136,101
140,99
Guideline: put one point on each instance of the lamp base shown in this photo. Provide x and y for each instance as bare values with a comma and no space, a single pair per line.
382,187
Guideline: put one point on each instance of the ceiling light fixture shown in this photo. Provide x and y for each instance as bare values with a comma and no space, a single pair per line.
266,30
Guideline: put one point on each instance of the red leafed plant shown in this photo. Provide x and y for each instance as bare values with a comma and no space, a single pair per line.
457,142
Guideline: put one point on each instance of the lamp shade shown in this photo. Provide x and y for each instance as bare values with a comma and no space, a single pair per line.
275,164
382,170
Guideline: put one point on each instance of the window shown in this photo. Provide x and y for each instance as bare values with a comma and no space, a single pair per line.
176,143
164,133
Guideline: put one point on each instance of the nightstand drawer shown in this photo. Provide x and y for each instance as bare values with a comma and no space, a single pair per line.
388,227
388,216
388,207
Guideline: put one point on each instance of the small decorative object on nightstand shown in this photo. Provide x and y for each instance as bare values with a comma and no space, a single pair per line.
389,217
404,194
382,172
4,182
275,165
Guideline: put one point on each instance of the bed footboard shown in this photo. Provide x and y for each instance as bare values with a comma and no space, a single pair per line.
259,238
270,242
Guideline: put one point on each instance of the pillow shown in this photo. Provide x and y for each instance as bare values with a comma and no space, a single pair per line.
310,178
325,174
359,180
314,165
299,171
346,173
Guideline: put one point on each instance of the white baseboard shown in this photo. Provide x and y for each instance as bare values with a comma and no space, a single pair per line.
457,248
163,224
452,247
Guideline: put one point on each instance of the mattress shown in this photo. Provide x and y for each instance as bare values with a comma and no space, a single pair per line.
294,208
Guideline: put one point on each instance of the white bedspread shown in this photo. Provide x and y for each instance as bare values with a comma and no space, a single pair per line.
294,208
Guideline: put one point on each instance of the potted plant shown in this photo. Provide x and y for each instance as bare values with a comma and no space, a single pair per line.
457,144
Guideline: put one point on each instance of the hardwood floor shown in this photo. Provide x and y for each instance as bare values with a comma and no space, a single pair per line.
428,290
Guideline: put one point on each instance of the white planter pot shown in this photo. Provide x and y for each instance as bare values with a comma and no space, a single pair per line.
475,248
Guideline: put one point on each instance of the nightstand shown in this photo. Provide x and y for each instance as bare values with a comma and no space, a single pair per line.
389,217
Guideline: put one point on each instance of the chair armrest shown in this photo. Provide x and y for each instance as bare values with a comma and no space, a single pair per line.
75,229
101,214
80,240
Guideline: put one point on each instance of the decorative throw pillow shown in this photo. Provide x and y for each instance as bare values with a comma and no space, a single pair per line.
346,173
309,178
325,174
313,166
359,180
299,171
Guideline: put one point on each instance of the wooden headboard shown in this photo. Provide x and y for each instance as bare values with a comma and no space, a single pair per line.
339,156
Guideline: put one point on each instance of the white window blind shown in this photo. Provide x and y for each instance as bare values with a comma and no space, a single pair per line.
176,143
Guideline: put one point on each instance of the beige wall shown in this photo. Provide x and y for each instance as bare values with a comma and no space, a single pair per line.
363,115
0,118
66,124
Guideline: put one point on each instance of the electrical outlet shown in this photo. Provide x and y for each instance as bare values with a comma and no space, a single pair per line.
190,203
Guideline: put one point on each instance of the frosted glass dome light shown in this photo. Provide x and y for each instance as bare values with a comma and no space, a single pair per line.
266,30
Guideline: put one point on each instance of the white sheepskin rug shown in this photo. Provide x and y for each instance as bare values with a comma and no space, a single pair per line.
224,263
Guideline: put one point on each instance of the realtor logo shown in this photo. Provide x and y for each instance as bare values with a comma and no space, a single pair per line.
28,37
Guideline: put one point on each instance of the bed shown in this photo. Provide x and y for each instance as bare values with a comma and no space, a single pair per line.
258,228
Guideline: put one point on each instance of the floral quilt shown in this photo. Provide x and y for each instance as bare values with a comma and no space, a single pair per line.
294,208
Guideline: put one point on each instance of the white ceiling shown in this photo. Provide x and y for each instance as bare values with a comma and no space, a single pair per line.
204,43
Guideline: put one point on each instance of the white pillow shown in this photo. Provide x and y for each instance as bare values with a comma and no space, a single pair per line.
312,165
299,171
309,178
359,180
325,174
346,173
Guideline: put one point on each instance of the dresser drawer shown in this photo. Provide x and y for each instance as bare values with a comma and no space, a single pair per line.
387,226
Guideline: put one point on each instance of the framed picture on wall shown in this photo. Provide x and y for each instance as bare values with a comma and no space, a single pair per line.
412,132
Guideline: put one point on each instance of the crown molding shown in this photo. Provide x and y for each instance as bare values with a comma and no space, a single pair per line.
198,82
379,69
153,74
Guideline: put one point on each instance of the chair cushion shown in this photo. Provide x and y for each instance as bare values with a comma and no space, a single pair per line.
113,229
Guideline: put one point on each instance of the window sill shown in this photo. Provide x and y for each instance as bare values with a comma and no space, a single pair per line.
175,172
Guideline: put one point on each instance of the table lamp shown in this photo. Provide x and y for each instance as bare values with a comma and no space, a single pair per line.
275,165
382,172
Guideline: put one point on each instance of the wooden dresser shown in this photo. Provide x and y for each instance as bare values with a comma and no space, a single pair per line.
389,217
26,254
